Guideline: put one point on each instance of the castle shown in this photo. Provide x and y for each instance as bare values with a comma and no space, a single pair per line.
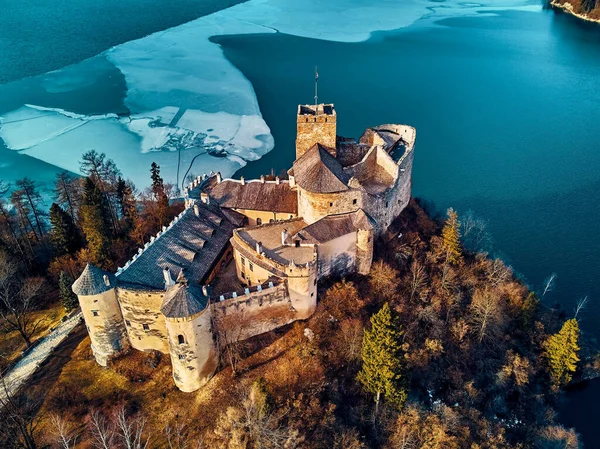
245,256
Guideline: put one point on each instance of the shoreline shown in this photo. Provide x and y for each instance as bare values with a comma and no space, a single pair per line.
568,8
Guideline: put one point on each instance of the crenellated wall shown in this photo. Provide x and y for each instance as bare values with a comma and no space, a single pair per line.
143,308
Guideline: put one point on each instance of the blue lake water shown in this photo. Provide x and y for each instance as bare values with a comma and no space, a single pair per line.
505,106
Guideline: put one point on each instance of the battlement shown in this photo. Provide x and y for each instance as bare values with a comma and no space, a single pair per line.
315,124
316,110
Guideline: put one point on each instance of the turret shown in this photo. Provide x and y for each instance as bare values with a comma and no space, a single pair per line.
95,289
191,344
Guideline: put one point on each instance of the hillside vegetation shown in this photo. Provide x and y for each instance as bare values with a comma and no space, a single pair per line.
439,347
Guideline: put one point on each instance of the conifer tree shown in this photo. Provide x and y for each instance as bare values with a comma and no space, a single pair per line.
382,371
68,298
127,203
31,197
67,191
160,195
451,237
561,352
64,234
94,221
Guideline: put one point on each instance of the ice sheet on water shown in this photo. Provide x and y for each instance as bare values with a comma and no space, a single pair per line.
185,95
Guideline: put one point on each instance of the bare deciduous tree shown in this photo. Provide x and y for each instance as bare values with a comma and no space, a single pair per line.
486,314
64,432
418,277
101,430
130,430
18,299
19,418
230,337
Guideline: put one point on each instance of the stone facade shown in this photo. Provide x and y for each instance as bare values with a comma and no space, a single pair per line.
281,236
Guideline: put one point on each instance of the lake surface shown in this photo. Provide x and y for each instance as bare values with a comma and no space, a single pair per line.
505,106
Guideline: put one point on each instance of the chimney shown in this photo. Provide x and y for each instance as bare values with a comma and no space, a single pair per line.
197,210
205,290
219,178
262,179
292,181
284,235
106,281
242,180
259,247
168,279
277,181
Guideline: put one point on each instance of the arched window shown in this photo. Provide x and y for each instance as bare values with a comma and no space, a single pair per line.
259,221
181,339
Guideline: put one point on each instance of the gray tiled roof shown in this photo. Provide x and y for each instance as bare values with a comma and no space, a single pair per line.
192,244
92,282
318,171
256,195
334,226
183,300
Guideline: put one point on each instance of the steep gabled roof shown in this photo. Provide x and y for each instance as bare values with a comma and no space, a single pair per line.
93,282
256,195
318,171
334,226
191,244
183,300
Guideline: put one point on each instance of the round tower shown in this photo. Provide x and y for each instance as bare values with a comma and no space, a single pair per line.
193,351
95,289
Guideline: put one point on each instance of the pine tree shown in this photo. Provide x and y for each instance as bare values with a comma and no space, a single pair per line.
68,298
127,203
31,196
64,235
382,371
561,352
67,191
158,190
451,237
94,221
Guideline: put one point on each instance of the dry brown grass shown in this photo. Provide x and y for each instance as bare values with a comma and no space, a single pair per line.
11,343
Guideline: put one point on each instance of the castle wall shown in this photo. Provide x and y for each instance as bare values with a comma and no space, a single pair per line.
249,272
265,216
104,323
338,256
143,308
385,208
314,206
252,314
364,251
311,129
195,359
350,153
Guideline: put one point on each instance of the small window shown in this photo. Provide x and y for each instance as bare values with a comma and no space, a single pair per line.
243,275
87,327
181,357
330,204
354,201
291,216
312,294
146,327
180,339
387,204
297,243
271,221
251,266
95,313
243,260
259,221
127,322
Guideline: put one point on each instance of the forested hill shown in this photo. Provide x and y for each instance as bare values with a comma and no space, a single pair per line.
584,9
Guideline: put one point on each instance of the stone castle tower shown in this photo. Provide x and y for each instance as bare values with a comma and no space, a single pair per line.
101,312
315,124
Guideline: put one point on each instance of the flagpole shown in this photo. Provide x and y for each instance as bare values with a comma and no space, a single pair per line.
316,89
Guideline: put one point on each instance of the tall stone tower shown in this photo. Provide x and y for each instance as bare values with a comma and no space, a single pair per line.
95,289
315,124
192,347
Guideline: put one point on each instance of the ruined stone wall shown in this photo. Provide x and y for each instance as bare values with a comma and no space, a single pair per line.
143,308
252,313
338,256
313,129
193,350
104,323
384,208
314,206
350,153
